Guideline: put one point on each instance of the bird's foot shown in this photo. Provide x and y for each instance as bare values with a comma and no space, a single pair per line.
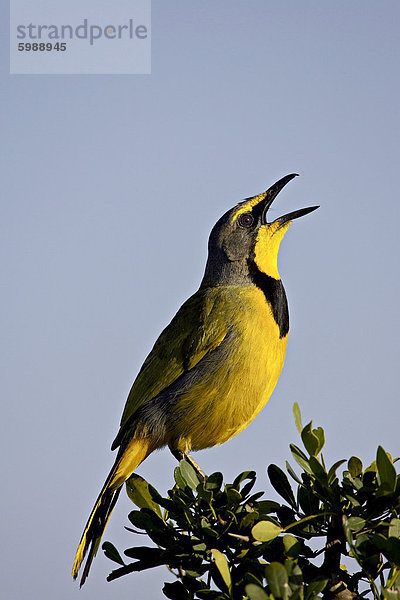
179,455
195,466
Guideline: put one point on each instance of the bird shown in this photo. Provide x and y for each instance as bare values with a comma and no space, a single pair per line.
214,367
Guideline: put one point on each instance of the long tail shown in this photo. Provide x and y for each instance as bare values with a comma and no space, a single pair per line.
136,451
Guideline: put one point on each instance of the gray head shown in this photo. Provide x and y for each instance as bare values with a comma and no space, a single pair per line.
243,239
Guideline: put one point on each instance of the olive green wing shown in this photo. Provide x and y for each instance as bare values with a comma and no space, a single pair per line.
197,329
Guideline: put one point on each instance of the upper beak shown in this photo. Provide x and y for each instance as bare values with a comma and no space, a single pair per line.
270,196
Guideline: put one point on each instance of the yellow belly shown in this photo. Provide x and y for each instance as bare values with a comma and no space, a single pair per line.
224,403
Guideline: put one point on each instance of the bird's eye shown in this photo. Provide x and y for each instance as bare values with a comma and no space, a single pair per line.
246,220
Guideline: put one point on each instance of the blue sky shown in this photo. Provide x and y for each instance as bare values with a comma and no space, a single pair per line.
111,186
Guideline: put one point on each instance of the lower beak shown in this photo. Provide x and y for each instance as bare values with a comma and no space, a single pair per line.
270,196
295,215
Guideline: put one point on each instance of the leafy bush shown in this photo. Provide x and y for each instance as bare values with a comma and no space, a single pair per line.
224,542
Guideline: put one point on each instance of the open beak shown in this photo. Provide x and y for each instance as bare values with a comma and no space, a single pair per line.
270,196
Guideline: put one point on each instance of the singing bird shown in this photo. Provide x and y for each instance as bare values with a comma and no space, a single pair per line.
214,367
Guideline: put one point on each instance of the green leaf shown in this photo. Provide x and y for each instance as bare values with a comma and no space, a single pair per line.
214,482
310,440
163,539
194,574
180,482
305,520
390,547
355,466
267,506
391,594
265,531
394,528
395,579
281,484
254,497
333,469
318,470
175,591
206,527
223,567
355,482
189,474
240,478
246,489
347,531
356,523
295,574
149,521
393,550
248,520
353,501
144,553
292,545
232,495
315,587
297,417
308,500
141,493
371,468
319,432
112,553
277,579
147,557
133,568
300,458
386,471
206,495
292,474
255,592
251,578
199,547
